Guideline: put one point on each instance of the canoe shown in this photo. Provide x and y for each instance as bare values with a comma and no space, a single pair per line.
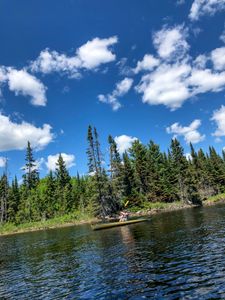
115,224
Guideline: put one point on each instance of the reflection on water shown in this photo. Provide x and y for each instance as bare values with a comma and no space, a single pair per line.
179,255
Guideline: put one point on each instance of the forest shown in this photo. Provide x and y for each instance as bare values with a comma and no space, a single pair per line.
143,174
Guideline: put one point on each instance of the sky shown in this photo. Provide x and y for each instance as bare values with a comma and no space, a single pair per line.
147,70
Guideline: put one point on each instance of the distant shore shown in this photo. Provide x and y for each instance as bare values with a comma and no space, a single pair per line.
72,220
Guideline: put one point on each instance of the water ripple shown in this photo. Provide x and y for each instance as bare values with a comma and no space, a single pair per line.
177,255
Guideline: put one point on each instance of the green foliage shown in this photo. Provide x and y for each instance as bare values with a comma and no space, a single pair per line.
31,176
142,178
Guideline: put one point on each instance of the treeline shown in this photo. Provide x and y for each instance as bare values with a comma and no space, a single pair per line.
141,175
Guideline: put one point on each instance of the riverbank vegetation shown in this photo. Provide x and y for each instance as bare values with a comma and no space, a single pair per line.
142,178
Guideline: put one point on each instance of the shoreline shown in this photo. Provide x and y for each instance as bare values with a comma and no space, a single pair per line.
45,225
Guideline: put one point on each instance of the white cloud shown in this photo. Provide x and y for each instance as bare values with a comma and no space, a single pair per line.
218,58
124,142
23,83
166,85
51,61
3,161
222,37
147,64
26,84
69,160
205,7
96,52
202,81
121,89
171,42
178,77
3,74
14,136
219,118
190,133
89,56
200,61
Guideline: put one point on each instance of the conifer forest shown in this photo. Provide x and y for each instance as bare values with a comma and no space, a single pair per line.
141,175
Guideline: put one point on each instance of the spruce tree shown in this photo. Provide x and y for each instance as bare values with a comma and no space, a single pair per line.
156,170
129,185
4,196
180,167
14,200
63,186
115,172
96,171
138,153
50,195
31,176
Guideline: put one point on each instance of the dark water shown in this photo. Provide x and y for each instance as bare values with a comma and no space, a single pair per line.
179,255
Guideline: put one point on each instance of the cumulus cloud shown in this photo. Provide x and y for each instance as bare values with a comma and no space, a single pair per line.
69,160
190,133
146,64
178,77
166,85
222,37
121,89
96,52
219,118
124,142
218,58
202,81
205,7
3,161
89,56
171,42
14,136
22,83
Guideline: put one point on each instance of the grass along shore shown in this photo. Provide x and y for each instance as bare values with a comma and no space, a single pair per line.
78,218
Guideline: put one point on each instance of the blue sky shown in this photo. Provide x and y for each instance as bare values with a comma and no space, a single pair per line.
134,69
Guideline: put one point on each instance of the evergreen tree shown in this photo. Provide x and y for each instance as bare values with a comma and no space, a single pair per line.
138,153
156,172
180,167
4,195
50,195
14,200
63,186
115,172
216,169
96,170
31,176
129,186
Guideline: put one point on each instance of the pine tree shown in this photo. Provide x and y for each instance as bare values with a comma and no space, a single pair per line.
115,172
50,195
64,187
168,178
129,185
4,195
180,167
96,170
31,176
216,170
138,153
14,200
156,170
62,174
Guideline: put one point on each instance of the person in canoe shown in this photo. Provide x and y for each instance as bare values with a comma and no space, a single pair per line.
123,216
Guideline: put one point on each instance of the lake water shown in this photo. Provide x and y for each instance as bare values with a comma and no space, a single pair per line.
177,255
